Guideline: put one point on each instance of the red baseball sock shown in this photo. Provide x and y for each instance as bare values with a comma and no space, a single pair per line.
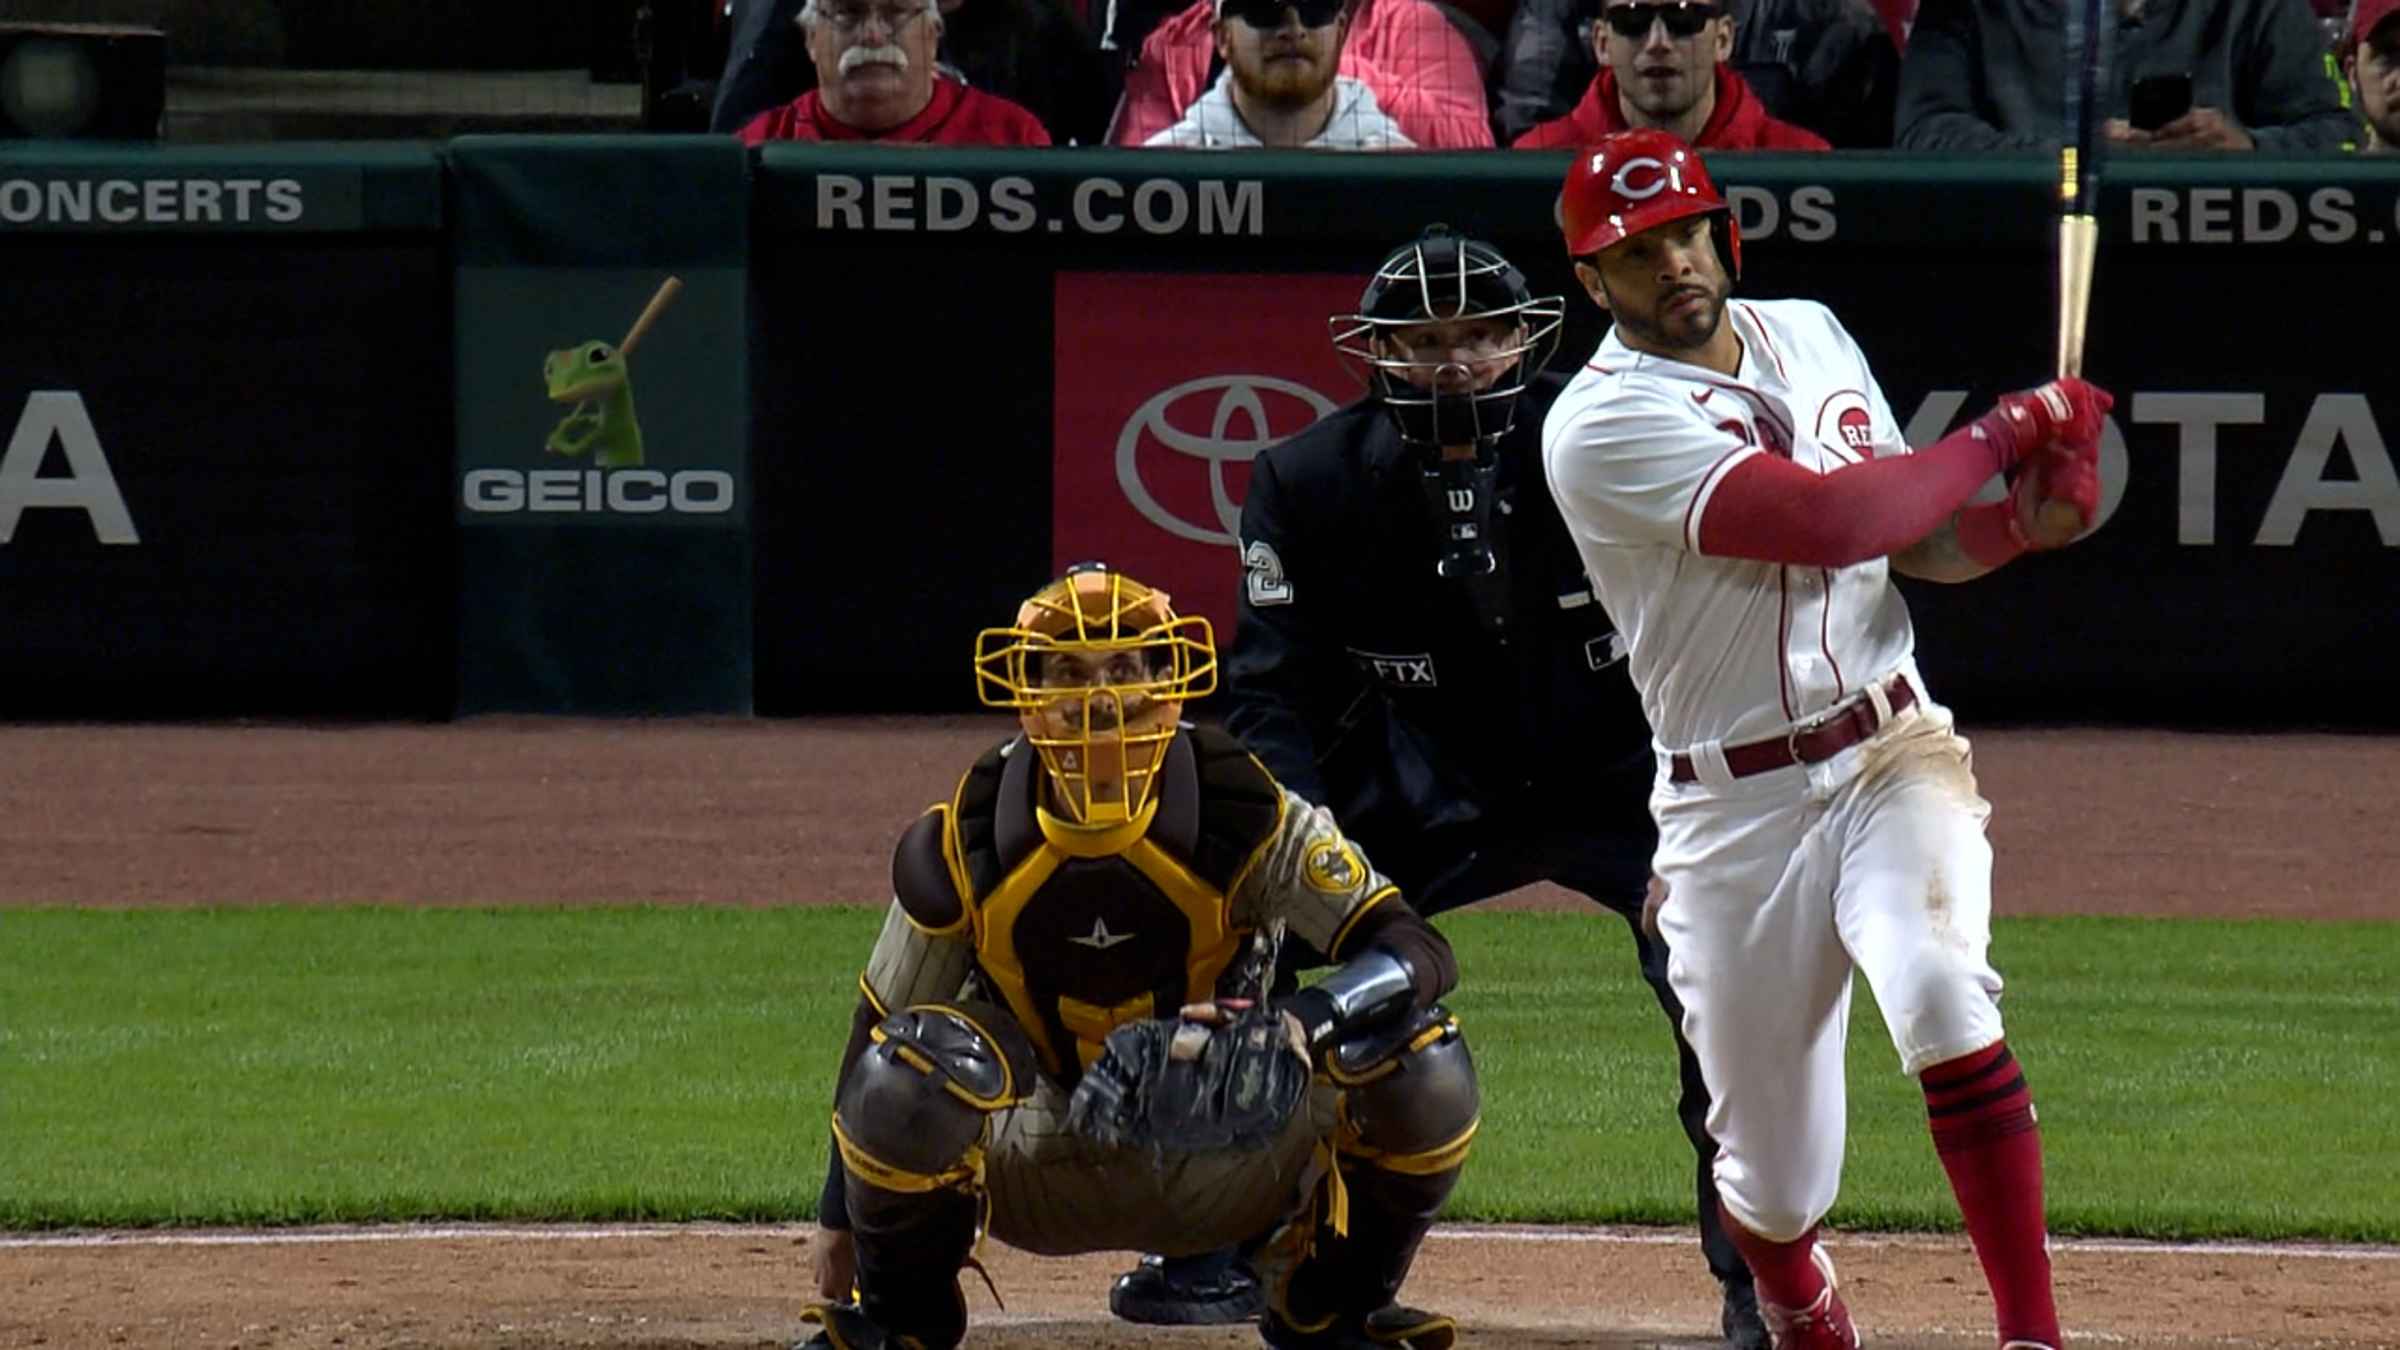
1782,1271
1983,1128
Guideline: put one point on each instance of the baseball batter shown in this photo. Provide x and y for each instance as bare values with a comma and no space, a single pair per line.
1061,1037
1741,496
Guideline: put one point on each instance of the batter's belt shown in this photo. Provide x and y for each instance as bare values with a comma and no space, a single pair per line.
1850,724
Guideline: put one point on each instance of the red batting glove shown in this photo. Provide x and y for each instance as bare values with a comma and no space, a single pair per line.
2065,411
2068,474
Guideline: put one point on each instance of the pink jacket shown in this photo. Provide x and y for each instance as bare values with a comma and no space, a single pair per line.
1421,70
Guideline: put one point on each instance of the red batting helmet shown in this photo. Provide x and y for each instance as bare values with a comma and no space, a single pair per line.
1632,181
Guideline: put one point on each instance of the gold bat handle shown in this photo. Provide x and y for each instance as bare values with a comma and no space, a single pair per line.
2078,247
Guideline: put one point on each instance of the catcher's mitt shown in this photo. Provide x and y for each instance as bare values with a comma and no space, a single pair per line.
1189,1087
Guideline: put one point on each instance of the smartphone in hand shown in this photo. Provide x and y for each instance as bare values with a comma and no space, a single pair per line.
2159,99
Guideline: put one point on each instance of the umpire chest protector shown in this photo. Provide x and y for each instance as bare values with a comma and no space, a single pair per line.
1080,930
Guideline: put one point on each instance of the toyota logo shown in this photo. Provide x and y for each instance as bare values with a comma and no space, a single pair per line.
1239,426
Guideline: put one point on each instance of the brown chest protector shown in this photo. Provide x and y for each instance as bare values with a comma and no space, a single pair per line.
1078,932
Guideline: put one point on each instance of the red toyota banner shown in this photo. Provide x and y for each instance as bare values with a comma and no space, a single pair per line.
1168,384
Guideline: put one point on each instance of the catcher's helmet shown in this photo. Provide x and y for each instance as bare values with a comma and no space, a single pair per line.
1633,181
1098,667
1440,277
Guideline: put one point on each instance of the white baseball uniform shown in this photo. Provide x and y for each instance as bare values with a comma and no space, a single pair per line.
1782,880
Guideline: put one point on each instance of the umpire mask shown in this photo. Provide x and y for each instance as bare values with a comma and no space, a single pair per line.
1448,334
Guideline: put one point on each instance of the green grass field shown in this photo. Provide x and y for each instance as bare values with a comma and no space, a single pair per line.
304,1065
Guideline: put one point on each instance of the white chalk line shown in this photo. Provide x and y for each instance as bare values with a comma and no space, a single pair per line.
137,1237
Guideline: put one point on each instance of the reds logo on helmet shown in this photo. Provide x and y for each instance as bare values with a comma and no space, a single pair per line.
1635,181
1659,175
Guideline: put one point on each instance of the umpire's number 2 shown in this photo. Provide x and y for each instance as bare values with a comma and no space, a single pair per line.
1265,574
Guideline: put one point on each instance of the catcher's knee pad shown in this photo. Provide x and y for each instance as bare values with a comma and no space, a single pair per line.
911,1113
1410,1102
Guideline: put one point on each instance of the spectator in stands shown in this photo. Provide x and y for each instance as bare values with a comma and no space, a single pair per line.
1663,66
1031,52
1281,85
1973,79
876,82
1423,75
1830,66
2371,59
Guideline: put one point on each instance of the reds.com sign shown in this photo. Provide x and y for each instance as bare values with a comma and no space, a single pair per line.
1156,424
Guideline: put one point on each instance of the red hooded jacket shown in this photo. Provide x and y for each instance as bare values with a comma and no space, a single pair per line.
956,115
1740,121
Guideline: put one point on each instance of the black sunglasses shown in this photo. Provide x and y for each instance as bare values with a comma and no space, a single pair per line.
1683,20
1267,15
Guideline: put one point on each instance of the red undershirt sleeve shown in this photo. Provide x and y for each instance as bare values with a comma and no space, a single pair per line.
1771,510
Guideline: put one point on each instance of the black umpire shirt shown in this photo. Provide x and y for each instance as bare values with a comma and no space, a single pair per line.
1367,682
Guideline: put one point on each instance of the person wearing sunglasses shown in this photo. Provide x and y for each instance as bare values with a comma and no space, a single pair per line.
1423,73
1663,67
1282,86
876,81
1831,66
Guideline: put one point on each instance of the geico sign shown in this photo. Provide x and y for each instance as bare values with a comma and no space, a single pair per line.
629,492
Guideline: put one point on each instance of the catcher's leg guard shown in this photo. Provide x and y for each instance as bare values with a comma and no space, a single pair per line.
1410,1107
910,1120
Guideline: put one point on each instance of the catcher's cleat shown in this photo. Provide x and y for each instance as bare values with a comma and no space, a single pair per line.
841,1326
1208,1292
1390,1327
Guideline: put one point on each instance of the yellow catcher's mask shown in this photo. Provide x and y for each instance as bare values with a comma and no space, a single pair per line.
1098,668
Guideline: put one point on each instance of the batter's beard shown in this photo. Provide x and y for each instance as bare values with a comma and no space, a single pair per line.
1660,333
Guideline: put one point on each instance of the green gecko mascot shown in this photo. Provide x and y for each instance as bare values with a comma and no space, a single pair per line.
594,378
598,380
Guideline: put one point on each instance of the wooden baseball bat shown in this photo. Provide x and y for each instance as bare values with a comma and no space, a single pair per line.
667,291
2078,201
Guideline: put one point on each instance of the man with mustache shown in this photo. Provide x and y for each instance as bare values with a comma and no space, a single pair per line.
1741,496
876,82
1282,85
1664,66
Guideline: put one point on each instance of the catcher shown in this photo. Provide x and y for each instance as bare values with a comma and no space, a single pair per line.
1064,1038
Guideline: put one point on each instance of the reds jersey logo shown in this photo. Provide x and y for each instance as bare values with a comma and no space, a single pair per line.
1844,425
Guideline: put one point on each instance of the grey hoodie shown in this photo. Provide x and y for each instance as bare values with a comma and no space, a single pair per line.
1988,74
1358,122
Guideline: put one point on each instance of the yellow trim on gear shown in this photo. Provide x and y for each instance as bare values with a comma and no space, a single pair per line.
955,858
968,1174
1424,1164
996,946
958,876
1210,944
1008,1094
1088,841
1334,949
874,1000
